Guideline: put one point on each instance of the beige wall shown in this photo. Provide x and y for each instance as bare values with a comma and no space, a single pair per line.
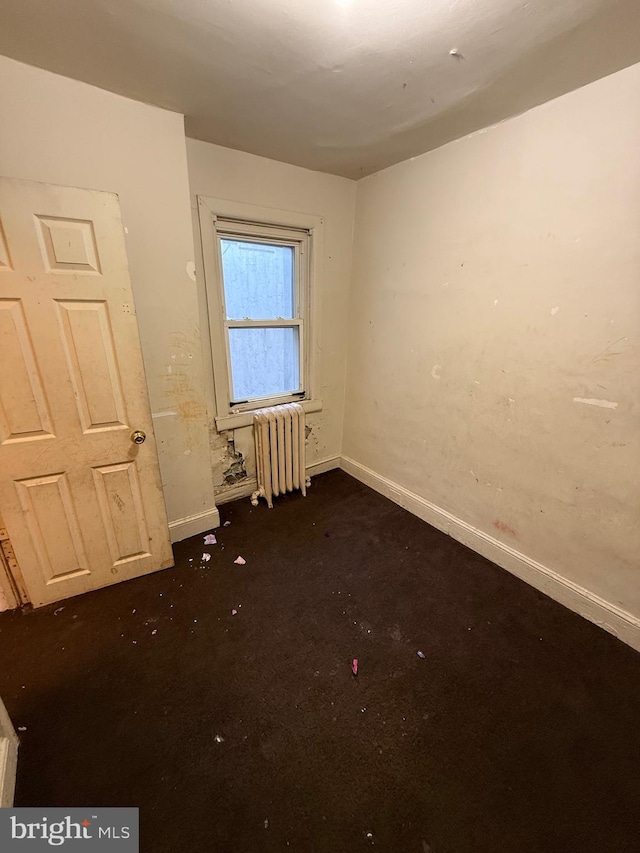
60,131
232,175
496,284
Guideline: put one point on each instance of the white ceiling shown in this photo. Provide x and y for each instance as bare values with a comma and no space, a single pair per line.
343,86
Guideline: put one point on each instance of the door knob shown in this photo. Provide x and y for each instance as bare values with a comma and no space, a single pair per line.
138,436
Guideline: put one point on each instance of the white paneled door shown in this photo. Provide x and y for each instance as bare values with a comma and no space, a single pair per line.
80,497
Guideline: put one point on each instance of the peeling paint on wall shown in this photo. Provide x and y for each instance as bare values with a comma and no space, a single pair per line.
235,471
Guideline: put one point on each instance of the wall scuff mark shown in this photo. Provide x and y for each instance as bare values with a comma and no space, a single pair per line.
590,401
505,528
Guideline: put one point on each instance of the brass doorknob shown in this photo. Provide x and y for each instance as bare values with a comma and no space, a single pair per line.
138,436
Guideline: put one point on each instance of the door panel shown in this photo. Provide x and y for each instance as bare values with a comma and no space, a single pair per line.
88,344
122,511
24,409
53,524
68,244
82,503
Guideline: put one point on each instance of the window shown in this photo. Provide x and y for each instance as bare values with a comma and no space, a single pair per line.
258,286
263,283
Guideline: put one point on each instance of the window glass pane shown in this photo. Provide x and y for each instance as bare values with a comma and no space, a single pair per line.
258,280
264,362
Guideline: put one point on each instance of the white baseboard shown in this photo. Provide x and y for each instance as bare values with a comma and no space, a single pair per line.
235,493
191,525
603,613
323,466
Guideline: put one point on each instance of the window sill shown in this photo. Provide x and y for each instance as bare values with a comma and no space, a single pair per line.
245,419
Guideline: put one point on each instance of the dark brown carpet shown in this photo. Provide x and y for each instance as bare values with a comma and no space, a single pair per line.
518,731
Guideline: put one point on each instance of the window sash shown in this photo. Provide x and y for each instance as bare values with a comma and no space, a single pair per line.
252,402
242,228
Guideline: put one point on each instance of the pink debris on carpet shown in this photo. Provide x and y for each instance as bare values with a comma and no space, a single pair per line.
354,666
240,561
234,612
210,539
206,557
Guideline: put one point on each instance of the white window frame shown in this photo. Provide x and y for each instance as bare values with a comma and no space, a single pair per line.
220,219
298,240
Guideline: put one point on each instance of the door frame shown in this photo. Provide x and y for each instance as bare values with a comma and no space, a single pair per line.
8,759
11,582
